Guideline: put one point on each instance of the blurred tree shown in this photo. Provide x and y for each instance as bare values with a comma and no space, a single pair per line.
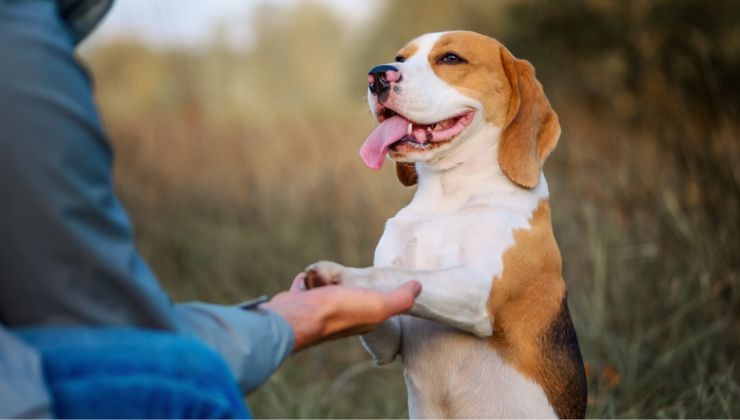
669,54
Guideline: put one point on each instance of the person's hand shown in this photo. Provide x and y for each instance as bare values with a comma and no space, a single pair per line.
338,311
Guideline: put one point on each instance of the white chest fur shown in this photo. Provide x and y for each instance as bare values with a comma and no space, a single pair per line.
453,374
450,373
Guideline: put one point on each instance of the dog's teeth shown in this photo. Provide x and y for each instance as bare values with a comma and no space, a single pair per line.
410,128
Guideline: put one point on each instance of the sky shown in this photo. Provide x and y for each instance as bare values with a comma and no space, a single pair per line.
190,23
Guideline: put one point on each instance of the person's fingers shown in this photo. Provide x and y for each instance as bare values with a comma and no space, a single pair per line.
297,285
402,298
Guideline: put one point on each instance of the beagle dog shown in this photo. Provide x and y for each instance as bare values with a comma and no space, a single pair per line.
490,334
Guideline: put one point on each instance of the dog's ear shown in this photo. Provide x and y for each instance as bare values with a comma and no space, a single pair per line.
406,173
531,130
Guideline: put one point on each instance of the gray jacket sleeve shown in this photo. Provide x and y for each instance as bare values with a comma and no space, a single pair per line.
67,254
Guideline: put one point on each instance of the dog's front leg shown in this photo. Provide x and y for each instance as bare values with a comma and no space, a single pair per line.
456,296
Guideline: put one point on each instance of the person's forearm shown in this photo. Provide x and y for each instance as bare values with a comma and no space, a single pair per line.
337,311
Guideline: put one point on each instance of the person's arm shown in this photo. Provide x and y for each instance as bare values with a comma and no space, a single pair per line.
67,255
255,342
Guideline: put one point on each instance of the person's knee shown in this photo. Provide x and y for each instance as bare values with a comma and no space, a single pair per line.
134,373
187,374
203,372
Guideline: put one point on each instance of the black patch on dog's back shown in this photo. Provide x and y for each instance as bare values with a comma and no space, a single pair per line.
565,383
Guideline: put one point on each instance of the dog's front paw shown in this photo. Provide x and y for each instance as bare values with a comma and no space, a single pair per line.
323,273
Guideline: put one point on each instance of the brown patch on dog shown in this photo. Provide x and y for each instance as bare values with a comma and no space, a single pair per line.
532,328
481,77
408,50
512,98
406,173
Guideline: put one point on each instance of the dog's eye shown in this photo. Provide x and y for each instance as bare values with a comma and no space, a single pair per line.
400,59
450,58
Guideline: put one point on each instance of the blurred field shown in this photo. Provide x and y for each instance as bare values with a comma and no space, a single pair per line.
239,169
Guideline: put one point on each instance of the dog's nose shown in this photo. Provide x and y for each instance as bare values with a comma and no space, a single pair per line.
380,78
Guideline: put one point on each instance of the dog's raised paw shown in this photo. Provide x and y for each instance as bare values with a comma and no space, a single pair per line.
313,280
321,274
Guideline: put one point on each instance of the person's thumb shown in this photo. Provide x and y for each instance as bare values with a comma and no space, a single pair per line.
401,299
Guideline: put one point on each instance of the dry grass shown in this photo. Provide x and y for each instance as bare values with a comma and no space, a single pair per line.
234,189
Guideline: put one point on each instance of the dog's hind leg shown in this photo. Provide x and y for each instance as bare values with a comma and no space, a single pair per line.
384,341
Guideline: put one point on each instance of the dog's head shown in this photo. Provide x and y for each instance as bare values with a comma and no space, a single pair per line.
445,88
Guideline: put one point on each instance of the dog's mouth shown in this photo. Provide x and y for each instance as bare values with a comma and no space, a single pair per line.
398,133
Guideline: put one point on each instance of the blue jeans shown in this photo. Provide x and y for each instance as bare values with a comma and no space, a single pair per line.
133,373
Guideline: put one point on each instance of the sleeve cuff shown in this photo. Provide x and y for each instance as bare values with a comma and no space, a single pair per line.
254,343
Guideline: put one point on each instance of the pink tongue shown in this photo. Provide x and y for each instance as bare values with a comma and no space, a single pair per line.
376,145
